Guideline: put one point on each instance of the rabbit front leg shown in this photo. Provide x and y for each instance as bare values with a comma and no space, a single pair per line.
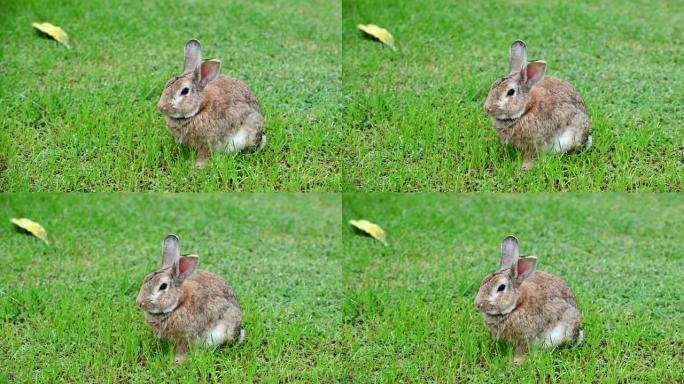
520,353
528,159
203,155
181,352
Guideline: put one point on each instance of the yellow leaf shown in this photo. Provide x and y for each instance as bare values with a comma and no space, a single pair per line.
370,228
53,31
379,33
34,228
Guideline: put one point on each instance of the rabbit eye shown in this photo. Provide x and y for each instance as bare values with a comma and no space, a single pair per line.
162,287
511,92
185,91
501,287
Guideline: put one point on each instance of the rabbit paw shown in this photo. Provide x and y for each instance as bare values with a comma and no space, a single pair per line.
181,352
200,163
520,354
518,359
528,161
202,158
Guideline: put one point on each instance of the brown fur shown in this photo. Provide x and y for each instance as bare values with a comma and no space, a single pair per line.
218,113
529,307
553,106
227,104
184,305
202,293
538,113
542,293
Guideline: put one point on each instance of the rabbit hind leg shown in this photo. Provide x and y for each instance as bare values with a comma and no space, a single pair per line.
562,333
227,330
249,135
567,141
238,142
575,136
556,336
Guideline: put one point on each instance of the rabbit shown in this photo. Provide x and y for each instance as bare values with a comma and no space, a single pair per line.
211,112
528,308
189,306
536,113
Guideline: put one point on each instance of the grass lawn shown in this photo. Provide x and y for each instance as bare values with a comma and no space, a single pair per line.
409,315
86,119
68,312
414,119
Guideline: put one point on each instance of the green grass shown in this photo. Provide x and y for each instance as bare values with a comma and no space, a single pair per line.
414,119
342,112
409,314
328,305
68,312
86,119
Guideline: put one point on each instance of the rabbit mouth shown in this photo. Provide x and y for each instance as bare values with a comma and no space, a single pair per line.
157,313
507,118
160,312
155,317
181,117
500,312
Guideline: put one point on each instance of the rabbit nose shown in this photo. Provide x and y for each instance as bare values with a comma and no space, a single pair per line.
163,106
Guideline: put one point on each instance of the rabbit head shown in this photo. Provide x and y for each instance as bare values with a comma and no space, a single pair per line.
499,292
161,290
183,95
509,98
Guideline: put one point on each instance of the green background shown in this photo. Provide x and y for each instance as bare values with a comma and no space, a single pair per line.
68,312
410,315
86,119
414,119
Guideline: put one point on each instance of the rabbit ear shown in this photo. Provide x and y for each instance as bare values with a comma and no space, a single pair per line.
518,56
171,251
509,251
534,72
193,56
208,71
185,266
524,268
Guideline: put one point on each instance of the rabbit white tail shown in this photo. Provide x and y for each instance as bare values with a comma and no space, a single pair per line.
242,336
587,145
580,337
264,140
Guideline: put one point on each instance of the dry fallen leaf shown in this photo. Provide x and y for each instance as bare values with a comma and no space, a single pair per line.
53,31
379,33
34,228
370,228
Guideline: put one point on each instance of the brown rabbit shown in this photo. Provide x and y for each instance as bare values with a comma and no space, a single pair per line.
536,113
525,307
211,112
188,306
